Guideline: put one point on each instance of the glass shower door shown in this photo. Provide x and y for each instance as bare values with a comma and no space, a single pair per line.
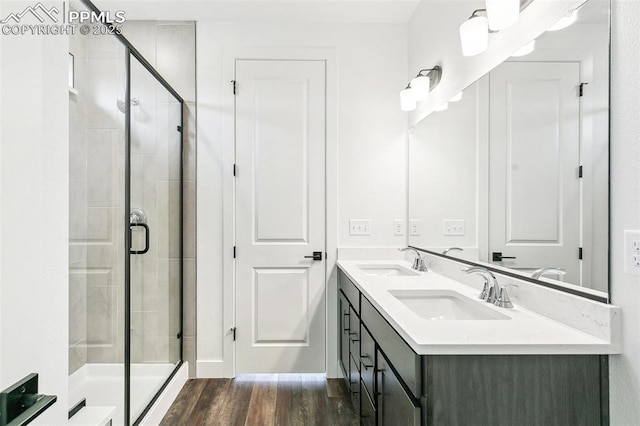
155,232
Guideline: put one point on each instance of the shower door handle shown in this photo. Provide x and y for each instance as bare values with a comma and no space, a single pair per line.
146,238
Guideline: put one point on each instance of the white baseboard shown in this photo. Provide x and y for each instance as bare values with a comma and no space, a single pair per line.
209,369
170,393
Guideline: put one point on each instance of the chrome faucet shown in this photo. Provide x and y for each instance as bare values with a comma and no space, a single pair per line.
418,263
451,249
492,292
548,271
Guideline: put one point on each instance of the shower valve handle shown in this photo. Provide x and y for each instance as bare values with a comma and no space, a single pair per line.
146,238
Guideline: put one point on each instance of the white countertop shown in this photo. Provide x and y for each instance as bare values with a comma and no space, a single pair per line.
525,332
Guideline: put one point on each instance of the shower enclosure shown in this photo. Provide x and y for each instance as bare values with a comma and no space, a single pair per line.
125,213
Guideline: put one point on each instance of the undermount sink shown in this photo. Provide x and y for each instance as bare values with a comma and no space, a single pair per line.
445,305
386,270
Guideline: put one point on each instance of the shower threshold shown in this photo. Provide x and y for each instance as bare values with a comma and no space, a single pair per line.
103,386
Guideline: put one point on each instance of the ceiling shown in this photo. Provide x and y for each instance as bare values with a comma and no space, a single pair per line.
325,11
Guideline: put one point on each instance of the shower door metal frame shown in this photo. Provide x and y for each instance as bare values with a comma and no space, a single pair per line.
131,51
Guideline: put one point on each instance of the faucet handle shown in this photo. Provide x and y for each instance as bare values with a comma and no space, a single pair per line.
503,301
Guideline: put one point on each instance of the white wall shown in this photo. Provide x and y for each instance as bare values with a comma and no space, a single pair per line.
625,206
370,70
34,173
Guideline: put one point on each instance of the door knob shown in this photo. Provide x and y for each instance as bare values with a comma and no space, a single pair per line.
497,256
317,255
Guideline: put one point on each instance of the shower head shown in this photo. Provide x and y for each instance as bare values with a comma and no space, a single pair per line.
123,108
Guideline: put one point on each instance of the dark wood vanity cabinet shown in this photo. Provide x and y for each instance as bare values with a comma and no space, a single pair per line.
392,385
395,405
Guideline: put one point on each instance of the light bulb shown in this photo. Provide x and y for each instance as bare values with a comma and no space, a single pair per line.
442,107
502,13
565,21
456,98
474,35
407,101
420,87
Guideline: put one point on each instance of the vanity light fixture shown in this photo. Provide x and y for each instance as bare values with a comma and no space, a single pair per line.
474,34
525,50
565,21
419,87
456,98
502,14
407,101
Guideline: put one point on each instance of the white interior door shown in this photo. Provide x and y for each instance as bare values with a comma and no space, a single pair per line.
534,188
280,216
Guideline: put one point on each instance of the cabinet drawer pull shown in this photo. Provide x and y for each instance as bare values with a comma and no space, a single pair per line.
366,366
354,340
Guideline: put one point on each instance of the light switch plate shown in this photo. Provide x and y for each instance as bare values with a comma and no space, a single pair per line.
632,252
452,227
414,228
359,227
398,227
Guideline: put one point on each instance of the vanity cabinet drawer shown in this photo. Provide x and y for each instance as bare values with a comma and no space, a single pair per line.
343,341
395,406
367,360
350,290
367,410
354,336
354,385
406,362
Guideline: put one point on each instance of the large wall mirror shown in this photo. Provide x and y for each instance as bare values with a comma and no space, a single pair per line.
516,173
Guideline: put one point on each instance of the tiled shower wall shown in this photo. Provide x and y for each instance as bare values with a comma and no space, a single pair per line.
97,187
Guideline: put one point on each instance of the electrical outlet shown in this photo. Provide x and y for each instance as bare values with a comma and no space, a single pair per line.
453,227
414,228
359,227
632,252
398,227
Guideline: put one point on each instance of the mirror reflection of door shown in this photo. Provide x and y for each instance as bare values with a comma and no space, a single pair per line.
534,155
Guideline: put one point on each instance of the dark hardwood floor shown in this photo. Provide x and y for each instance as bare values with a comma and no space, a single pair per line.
266,399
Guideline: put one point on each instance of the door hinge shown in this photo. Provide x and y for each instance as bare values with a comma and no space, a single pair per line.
233,330
234,169
234,252
580,172
580,253
179,128
580,90
233,82
179,335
